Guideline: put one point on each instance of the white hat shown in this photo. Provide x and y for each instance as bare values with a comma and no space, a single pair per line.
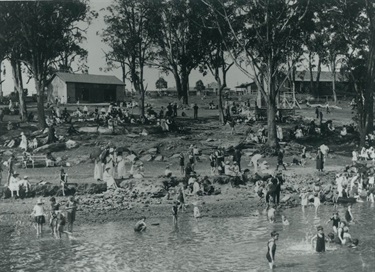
25,177
22,133
40,201
111,150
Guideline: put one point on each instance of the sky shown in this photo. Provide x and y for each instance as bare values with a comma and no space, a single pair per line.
96,62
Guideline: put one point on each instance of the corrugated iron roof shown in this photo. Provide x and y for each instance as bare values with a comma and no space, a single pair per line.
87,78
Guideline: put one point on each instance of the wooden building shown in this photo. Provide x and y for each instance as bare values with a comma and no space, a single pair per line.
70,88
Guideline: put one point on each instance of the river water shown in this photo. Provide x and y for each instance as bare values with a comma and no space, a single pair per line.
209,244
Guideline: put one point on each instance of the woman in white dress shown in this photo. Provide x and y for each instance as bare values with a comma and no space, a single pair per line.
23,144
121,170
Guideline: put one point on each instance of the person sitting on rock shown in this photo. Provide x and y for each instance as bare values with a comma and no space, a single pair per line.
9,126
108,179
228,169
139,171
191,181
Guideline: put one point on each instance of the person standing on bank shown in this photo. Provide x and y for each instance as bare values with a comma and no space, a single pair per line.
280,159
319,161
195,111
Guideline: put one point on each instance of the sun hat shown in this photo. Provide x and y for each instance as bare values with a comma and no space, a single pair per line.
40,201
25,177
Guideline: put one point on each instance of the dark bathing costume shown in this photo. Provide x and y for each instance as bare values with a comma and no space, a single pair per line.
273,252
320,243
335,222
348,218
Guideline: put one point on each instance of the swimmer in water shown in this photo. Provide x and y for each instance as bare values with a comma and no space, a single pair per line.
335,221
285,221
271,214
354,243
320,240
349,215
271,249
197,214
140,225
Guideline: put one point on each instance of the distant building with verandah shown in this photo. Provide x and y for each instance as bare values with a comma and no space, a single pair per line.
70,88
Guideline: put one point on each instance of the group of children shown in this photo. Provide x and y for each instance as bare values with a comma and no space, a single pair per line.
57,219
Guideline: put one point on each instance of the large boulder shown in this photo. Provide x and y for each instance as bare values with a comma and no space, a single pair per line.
54,147
71,144
105,130
157,191
147,157
88,129
153,151
159,158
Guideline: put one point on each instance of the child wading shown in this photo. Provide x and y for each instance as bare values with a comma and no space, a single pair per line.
140,225
175,212
39,216
54,214
71,208
271,249
320,240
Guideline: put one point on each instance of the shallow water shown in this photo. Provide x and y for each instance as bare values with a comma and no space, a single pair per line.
210,244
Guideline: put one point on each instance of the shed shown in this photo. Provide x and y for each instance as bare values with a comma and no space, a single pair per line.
70,88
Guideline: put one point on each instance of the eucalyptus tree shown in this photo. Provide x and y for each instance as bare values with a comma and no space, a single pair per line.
129,33
269,31
181,40
42,27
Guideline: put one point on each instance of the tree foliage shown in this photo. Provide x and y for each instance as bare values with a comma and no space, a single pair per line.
45,29
129,33
181,40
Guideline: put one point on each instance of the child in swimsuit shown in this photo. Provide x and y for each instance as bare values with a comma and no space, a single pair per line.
304,199
348,214
197,214
175,213
335,221
320,240
140,225
271,249
54,212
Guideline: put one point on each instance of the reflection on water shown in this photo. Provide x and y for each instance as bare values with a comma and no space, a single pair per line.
210,244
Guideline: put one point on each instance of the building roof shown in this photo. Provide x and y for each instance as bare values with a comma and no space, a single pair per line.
87,78
245,85
325,76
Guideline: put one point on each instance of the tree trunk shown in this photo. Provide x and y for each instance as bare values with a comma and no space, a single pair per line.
317,81
39,86
271,123
333,67
371,84
143,92
185,87
271,107
221,110
1,81
311,73
18,84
